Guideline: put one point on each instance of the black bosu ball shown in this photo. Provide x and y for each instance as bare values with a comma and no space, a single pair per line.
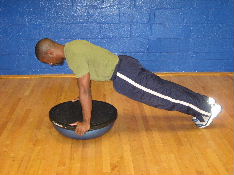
63,114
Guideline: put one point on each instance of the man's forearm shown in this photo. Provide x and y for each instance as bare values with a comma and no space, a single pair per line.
86,103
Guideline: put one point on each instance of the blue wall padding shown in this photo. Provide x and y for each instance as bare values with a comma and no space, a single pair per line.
165,35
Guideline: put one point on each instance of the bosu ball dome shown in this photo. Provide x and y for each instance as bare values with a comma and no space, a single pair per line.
63,114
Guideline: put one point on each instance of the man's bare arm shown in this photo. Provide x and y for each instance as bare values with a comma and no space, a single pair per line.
85,96
86,103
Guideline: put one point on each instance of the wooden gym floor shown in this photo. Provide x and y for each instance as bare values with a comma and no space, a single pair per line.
143,141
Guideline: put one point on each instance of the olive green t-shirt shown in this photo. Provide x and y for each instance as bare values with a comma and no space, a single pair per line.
84,57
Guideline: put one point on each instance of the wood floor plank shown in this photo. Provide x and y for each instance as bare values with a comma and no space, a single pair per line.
144,140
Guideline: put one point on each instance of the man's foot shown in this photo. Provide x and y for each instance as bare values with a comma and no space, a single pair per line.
215,111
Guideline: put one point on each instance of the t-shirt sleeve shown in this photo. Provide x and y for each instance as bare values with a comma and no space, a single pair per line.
80,67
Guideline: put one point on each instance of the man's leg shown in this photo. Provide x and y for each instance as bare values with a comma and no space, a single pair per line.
137,83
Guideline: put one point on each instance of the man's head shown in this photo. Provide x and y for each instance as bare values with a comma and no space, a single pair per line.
50,52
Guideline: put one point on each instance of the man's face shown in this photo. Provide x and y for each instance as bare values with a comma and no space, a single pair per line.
53,59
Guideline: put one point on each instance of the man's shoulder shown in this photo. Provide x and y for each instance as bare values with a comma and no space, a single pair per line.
72,45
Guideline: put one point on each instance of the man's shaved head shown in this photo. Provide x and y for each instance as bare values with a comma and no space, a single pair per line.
50,52
43,46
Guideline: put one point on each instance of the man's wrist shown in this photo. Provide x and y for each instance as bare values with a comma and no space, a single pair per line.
86,121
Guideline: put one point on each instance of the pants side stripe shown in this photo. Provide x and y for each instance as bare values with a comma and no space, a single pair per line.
161,95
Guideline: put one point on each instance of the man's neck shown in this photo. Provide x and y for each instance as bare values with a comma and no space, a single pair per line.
61,50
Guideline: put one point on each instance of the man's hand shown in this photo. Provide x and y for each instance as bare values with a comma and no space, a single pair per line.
81,128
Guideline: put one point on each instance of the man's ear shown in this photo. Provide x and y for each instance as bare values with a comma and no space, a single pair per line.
51,53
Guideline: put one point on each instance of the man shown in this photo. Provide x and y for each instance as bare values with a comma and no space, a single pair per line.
130,78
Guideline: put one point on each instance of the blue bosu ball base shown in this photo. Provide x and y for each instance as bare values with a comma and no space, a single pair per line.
88,135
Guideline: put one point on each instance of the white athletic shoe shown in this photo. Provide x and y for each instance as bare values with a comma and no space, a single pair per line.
215,111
